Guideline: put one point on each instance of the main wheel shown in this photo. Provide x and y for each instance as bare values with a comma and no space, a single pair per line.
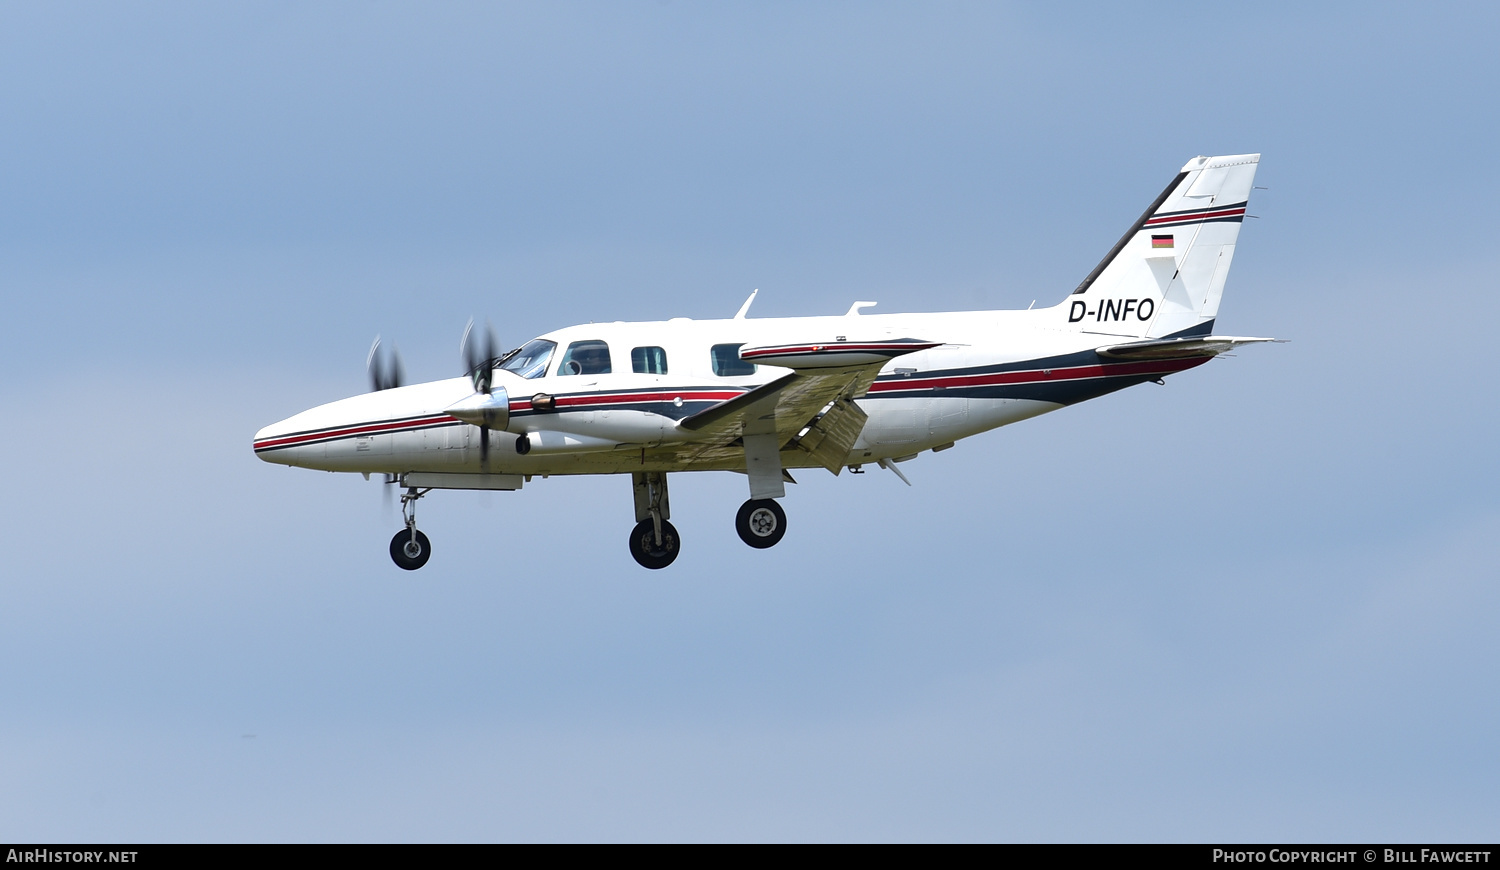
646,551
760,522
410,554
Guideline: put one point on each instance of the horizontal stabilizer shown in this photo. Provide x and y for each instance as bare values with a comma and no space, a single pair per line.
1178,348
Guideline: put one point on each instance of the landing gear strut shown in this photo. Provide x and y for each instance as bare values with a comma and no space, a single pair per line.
761,523
653,541
410,549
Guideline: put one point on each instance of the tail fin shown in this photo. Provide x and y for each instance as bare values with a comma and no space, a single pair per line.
1166,274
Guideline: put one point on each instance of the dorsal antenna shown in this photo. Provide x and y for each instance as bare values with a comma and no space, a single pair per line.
745,309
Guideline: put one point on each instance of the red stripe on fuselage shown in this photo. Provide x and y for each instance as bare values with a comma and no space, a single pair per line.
353,430
645,398
515,406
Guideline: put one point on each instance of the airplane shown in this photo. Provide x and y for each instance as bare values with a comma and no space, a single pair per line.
767,396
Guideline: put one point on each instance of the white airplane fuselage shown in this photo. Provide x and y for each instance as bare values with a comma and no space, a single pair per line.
991,368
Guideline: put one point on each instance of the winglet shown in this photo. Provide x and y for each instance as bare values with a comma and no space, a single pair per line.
745,309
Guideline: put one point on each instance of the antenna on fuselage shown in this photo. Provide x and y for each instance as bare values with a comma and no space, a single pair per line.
745,309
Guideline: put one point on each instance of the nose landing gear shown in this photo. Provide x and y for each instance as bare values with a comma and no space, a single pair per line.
410,549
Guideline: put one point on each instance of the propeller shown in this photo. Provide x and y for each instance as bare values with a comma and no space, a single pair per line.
385,374
384,369
479,362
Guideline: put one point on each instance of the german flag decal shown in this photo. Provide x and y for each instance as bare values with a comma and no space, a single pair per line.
1161,241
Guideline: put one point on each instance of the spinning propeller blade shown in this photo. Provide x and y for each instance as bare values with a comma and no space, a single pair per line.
479,364
479,361
384,371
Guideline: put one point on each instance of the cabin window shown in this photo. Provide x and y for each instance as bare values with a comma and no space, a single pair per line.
585,358
648,361
727,362
530,359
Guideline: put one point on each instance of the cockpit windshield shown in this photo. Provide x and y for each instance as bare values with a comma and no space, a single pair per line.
530,359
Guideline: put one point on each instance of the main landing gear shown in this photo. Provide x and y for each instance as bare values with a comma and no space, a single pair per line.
761,523
410,549
651,547
653,542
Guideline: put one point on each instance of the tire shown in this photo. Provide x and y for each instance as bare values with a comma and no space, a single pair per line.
761,523
404,557
647,552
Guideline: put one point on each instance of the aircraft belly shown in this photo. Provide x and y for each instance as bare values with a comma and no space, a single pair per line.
948,421
894,421
947,418
906,421
986,414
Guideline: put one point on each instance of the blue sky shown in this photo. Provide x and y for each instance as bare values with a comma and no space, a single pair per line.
1255,604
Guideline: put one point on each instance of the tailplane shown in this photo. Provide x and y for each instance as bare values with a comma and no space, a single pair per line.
1166,274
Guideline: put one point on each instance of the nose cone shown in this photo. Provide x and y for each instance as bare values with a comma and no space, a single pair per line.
360,433
304,439
293,441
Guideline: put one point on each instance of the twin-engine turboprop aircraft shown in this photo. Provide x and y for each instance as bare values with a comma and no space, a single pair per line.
766,396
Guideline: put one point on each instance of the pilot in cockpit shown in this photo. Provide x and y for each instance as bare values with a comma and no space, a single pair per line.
586,359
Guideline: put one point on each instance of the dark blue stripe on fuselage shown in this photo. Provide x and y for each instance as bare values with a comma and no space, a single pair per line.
1064,392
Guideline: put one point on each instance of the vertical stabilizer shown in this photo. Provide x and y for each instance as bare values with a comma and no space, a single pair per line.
1166,274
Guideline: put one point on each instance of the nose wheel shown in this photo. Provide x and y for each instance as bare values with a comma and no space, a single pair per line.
761,523
410,549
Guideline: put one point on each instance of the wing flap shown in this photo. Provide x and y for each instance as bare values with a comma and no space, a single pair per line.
832,435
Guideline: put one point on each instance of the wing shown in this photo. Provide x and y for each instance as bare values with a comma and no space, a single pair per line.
812,408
